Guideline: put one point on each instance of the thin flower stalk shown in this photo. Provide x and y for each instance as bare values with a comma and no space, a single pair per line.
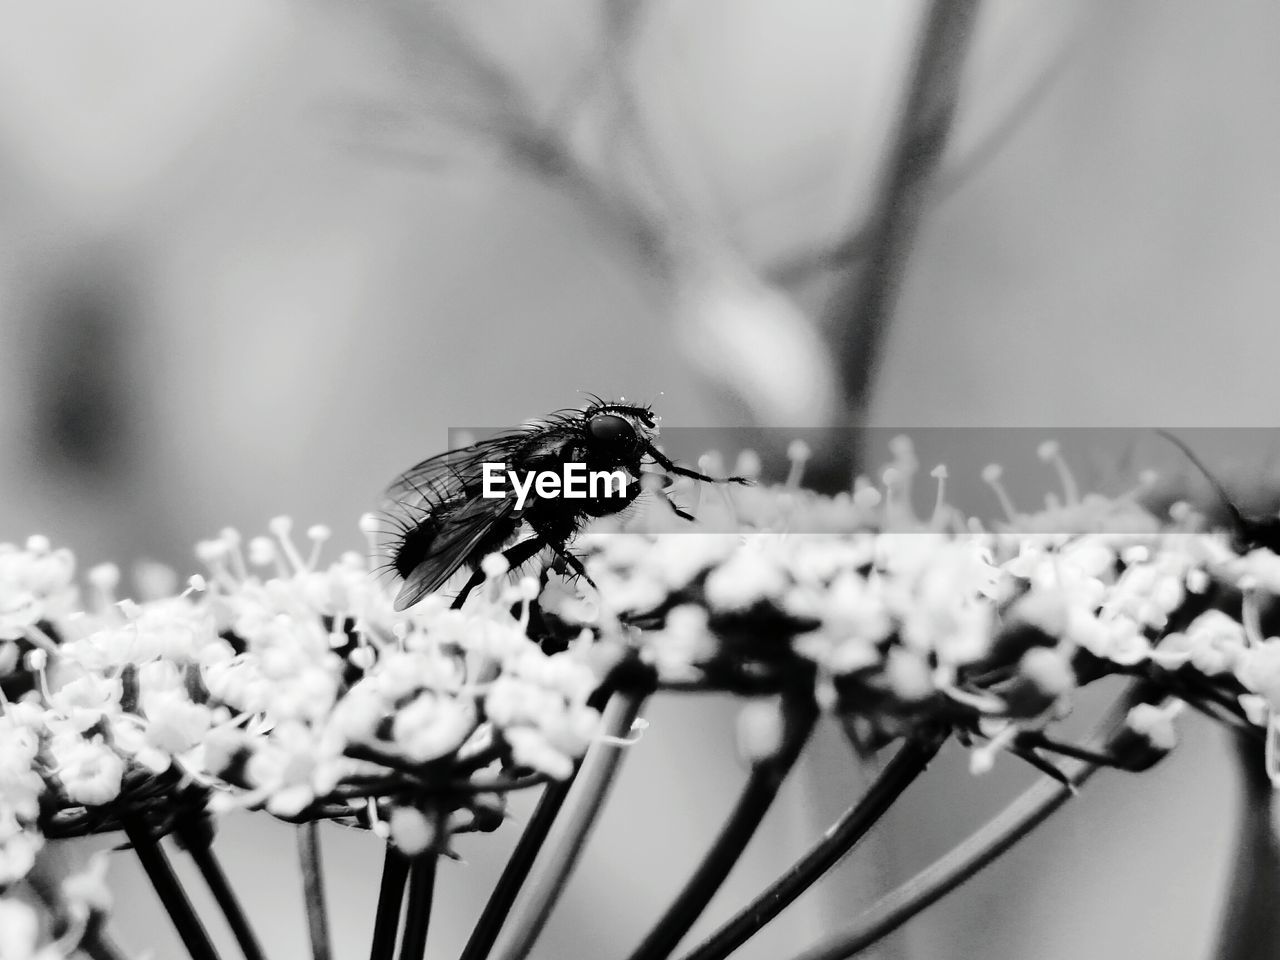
907,764
569,836
309,858
169,888
198,843
498,906
422,881
765,778
386,920
989,842
274,682
1250,927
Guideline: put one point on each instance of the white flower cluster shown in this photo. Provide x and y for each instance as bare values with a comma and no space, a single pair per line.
275,681
271,681
907,621
83,900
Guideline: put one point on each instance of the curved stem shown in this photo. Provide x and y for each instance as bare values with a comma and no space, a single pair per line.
1000,833
97,943
225,896
422,882
552,871
1250,922
386,921
757,796
169,888
516,871
940,878
313,890
908,763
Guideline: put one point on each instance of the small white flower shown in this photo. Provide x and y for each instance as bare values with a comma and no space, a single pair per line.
432,725
89,770
86,700
19,931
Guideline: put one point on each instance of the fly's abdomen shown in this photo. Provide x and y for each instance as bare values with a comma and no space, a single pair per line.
415,547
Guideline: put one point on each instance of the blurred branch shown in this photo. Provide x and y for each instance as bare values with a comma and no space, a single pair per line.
907,764
622,22
856,244
860,310
536,146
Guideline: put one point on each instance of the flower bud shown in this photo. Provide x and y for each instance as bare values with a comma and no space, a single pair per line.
1148,735
761,727
411,831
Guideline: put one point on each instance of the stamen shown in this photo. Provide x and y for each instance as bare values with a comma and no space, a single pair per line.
155,581
991,475
36,661
263,553
987,703
865,494
1146,480
711,463
318,534
798,452
231,537
1272,753
281,528
1250,612
495,566
748,465
940,510
897,496
638,727
104,578
212,553
528,592
41,639
904,457
371,528
983,758
1051,452
378,827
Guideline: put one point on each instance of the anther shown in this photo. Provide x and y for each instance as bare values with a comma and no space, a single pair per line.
1051,452
991,475
798,452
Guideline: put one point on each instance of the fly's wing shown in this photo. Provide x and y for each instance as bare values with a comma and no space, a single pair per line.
460,532
438,504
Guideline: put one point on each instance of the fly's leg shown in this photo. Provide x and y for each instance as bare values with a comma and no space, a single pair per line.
671,466
573,563
660,489
517,555
682,514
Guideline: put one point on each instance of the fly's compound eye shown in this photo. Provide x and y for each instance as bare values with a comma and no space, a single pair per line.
612,429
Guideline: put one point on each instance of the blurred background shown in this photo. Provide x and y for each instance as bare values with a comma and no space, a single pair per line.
257,256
